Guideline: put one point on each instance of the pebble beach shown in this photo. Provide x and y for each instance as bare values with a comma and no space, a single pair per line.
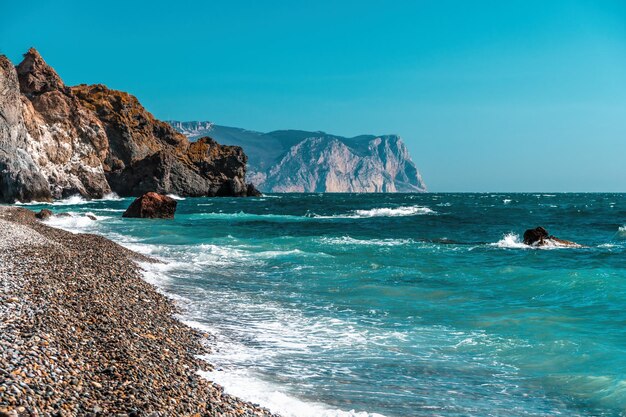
82,334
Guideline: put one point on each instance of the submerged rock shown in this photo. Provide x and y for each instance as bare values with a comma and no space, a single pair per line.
540,237
152,205
44,214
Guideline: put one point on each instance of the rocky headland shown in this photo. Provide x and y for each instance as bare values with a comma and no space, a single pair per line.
57,141
82,334
301,161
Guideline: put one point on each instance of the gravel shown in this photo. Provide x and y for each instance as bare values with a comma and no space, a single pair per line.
81,334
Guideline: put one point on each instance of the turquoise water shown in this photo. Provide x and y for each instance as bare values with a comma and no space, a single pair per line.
400,305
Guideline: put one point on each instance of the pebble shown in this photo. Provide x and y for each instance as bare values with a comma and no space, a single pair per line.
81,333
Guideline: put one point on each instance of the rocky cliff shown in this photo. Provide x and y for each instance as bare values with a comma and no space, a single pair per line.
301,161
57,141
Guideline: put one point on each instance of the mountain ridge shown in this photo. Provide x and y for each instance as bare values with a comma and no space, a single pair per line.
293,160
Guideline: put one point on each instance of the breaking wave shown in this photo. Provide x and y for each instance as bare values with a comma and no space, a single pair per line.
72,201
75,222
514,241
349,241
243,385
380,212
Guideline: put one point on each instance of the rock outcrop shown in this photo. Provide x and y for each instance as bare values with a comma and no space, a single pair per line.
300,161
152,206
20,178
44,214
540,237
58,141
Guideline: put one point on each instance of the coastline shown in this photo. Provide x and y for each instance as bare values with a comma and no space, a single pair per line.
82,333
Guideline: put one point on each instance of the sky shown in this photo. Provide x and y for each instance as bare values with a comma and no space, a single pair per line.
489,96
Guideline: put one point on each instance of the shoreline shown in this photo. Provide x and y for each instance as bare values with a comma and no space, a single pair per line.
82,333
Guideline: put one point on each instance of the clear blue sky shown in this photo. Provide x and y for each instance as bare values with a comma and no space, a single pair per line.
489,96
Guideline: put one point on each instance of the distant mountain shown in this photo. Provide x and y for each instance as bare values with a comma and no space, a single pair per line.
301,161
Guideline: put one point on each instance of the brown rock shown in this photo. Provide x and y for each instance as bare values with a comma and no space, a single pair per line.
540,237
536,235
91,140
152,205
44,214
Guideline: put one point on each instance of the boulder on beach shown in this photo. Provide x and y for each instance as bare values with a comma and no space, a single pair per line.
153,206
44,214
540,237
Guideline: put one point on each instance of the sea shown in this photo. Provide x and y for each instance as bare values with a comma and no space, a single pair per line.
397,305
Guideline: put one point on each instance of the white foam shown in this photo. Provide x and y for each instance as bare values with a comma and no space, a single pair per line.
75,222
250,216
380,212
110,197
112,210
175,197
243,385
506,200
73,200
347,240
513,241
621,231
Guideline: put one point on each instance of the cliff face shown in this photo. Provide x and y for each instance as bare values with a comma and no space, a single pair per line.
20,177
300,161
89,140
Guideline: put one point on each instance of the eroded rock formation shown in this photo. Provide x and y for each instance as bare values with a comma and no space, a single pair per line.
58,141
152,206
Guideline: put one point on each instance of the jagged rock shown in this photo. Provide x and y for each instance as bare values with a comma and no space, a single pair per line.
540,237
20,178
532,236
300,161
152,205
59,141
66,142
44,214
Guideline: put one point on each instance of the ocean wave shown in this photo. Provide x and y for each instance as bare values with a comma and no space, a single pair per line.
175,197
506,201
348,241
511,241
75,222
242,384
112,210
73,200
251,216
379,212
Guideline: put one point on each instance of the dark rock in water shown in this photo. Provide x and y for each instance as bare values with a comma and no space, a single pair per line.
540,237
44,214
152,205
64,215
252,191
92,217
532,236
